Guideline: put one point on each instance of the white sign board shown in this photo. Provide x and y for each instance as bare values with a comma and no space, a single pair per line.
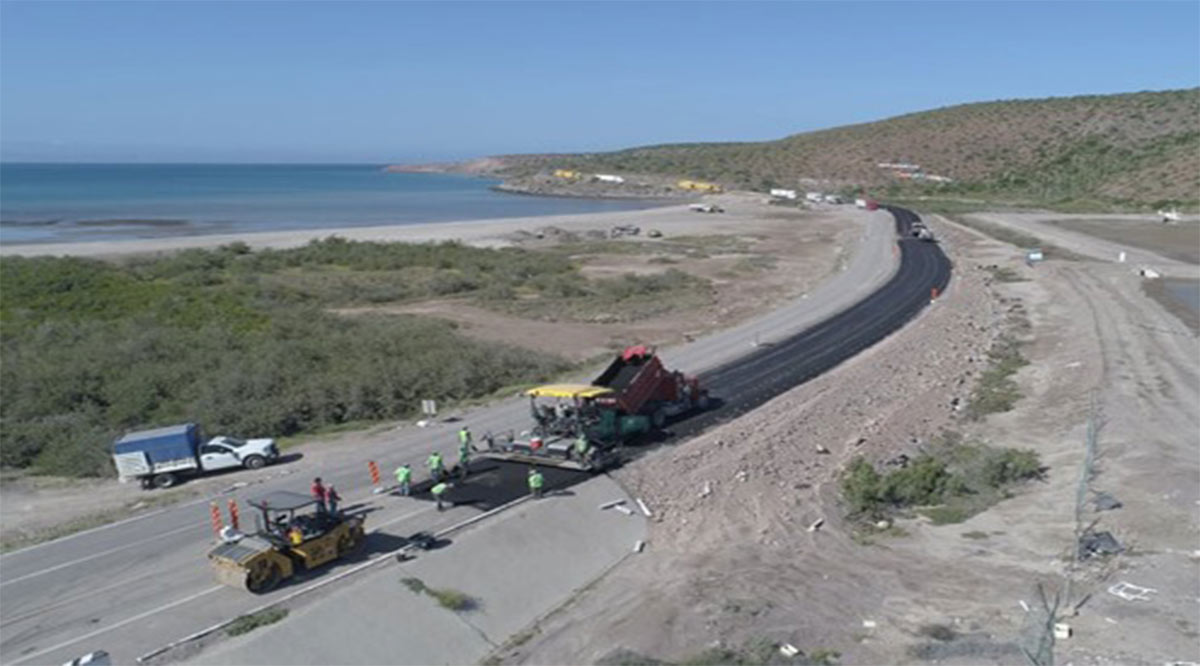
429,407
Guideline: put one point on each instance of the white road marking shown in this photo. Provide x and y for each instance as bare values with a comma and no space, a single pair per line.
100,554
103,527
122,623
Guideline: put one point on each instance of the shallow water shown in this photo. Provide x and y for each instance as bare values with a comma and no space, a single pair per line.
75,202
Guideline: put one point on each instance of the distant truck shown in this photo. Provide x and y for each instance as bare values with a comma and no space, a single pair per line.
159,458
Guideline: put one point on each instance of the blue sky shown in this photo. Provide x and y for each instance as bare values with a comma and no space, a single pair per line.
394,82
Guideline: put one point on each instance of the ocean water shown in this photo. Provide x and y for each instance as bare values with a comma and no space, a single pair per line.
77,202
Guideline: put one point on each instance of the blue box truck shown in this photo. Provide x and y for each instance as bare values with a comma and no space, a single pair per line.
160,457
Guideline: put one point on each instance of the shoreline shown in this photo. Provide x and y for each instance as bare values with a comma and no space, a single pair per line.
491,232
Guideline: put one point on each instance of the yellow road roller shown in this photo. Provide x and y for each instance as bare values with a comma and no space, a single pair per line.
290,536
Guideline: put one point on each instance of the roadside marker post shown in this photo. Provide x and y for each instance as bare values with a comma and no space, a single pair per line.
234,518
933,294
216,519
374,472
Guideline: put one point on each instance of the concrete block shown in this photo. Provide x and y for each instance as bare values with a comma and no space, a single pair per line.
609,505
644,508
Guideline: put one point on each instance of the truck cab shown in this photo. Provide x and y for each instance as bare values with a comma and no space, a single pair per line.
226,452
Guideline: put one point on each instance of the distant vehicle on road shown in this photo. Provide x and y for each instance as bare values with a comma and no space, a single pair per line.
706,208
159,458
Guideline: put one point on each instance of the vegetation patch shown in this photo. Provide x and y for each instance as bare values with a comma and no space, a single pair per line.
996,391
756,652
949,482
242,342
447,598
1005,274
247,623
1070,153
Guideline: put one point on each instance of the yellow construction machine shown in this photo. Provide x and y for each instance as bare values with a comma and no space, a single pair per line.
290,536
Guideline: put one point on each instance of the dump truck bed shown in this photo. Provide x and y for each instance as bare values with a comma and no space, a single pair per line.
636,377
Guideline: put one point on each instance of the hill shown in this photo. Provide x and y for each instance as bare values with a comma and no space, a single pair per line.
1137,148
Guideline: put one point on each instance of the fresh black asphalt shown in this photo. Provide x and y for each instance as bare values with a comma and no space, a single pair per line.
751,380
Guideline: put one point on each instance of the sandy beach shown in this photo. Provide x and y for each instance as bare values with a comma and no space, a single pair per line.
670,220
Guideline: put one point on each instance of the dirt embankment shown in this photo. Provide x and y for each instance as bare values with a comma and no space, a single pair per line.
729,559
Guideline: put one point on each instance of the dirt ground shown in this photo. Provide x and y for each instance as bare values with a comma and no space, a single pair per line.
754,259
757,255
1179,241
730,559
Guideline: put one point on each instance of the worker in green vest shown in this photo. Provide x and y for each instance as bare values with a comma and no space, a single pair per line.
535,483
464,439
404,479
435,466
463,466
582,447
437,491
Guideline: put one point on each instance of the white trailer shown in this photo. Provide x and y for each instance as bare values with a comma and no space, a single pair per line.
609,178
814,197
779,193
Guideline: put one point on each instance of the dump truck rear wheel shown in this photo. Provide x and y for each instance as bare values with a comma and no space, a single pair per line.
263,577
164,480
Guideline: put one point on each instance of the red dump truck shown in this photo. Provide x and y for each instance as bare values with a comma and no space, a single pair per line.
640,384
634,395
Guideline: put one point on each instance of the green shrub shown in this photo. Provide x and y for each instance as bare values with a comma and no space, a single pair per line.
952,481
247,623
91,349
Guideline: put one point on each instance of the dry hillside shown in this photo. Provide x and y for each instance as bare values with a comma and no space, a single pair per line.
1140,148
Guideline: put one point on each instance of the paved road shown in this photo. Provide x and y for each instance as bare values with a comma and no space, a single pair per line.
133,586
518,566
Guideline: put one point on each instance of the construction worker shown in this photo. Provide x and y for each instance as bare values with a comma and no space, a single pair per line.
463,459
404,479
318,494
331,499
435,466
464,451
582,447
535,483
437,491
